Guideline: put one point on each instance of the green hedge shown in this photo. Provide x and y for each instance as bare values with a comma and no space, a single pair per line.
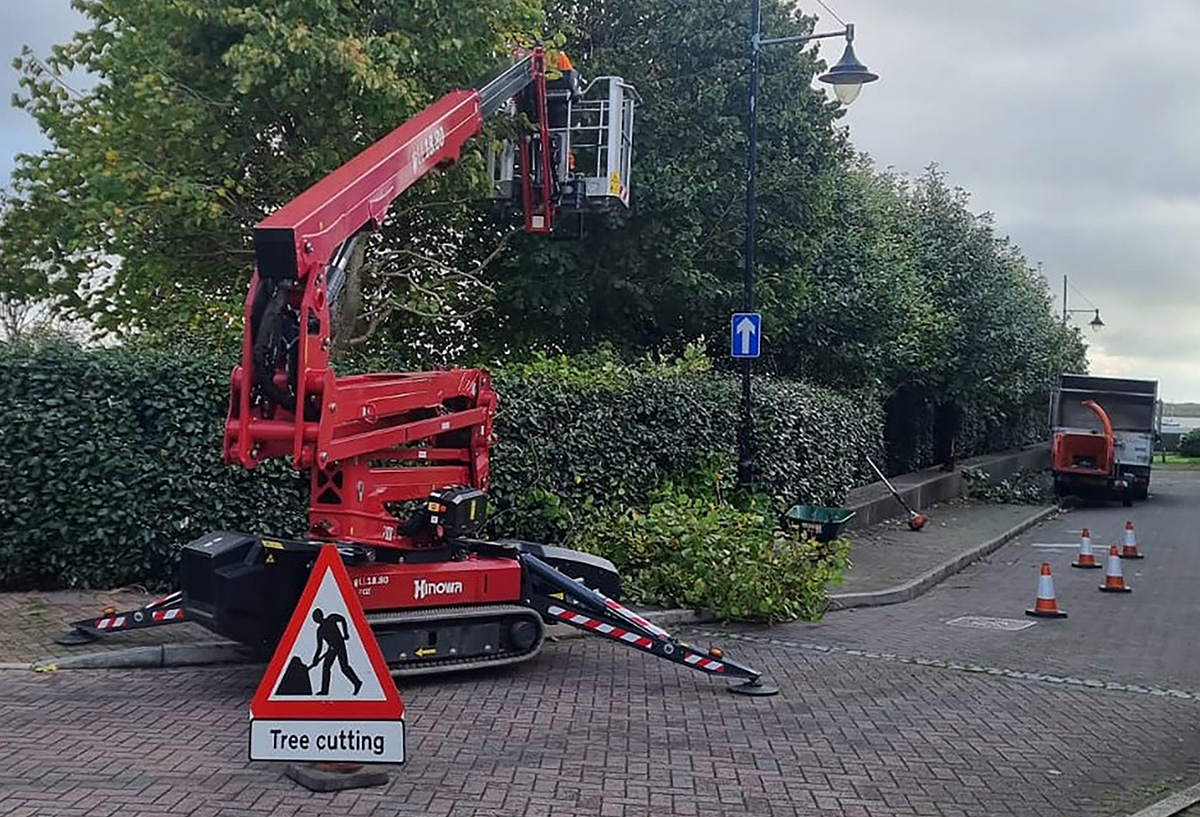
564,446
1189,445
112,460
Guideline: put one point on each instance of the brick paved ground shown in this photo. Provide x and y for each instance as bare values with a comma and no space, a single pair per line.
593,730
889,554
590,729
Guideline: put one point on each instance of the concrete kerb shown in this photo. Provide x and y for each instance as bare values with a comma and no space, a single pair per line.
157,655
678,617
911,589
874,503
1172,804
228,652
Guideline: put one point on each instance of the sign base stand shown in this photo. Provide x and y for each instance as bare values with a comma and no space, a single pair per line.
325,777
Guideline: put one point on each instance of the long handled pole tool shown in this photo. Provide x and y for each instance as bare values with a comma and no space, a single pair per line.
916,521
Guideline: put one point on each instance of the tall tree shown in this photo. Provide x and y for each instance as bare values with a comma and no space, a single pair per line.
206,114
995,346
670,269
861,318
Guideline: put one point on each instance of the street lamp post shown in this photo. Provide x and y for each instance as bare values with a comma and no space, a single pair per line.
847,78
1095,322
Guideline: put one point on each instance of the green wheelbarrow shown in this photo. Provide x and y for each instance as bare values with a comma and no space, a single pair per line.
823,524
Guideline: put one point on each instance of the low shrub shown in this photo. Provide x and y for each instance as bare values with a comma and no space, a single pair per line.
700,549
1189,445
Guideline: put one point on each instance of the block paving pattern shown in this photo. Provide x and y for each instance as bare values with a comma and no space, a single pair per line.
589,729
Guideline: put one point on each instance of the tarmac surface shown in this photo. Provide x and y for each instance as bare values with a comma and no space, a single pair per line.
889,554
1147,636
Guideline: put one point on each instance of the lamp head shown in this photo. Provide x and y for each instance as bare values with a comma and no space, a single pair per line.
849,75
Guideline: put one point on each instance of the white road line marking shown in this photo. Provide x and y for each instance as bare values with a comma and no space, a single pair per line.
937,663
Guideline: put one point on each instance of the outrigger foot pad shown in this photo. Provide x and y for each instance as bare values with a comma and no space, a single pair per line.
754,687
75,636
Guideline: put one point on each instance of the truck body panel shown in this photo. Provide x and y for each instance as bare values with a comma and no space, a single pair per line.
1128,408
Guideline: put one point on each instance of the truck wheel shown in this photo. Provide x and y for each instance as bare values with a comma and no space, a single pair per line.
1127,499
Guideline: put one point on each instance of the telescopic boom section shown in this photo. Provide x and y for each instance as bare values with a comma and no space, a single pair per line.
306,231
373,439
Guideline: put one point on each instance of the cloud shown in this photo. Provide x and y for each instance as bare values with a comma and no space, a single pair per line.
39,24
1074,123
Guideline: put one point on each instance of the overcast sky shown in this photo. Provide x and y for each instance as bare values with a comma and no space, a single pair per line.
1075,122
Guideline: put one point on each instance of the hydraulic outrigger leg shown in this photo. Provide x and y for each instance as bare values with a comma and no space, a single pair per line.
552,594
162,611
559,597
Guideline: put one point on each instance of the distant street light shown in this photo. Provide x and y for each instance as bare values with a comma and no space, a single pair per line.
847,78
1095,322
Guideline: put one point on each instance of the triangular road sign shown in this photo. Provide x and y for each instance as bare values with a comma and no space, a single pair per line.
327,665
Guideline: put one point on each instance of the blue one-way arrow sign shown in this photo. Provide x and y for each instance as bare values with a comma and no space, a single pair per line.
745,329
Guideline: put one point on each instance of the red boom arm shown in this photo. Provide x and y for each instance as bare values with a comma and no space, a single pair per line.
369,439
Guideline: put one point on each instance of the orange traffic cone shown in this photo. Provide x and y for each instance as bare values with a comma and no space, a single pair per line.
1130,551
1046,606
1086,557
1114,581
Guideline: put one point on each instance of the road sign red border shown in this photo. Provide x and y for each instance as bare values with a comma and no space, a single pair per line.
390,708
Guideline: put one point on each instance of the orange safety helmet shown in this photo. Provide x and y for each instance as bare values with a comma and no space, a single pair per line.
563,63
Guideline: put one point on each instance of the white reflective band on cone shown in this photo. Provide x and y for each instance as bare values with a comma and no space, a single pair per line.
1045,587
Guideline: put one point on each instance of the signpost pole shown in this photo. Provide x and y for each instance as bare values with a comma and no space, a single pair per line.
745,343
745,468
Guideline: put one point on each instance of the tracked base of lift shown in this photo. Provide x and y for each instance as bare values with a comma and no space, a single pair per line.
76,637
755,688
325,777
468,638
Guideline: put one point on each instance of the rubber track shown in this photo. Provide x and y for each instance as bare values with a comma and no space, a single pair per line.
384,621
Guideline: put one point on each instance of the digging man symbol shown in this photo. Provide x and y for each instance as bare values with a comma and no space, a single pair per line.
332,634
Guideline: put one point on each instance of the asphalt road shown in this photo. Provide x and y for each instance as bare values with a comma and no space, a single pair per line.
1148,636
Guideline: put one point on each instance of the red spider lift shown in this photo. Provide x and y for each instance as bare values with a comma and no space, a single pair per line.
398,463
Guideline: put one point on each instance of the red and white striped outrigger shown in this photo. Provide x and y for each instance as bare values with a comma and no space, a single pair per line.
165,610
560,598
554,595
